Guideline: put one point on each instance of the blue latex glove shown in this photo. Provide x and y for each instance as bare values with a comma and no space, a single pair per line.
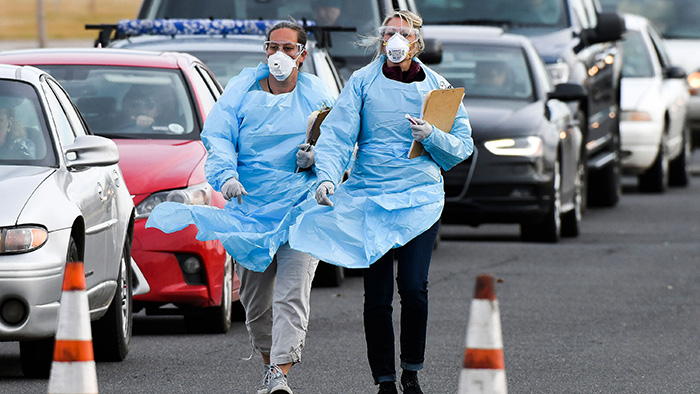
232,188
305,155
325,189
421,130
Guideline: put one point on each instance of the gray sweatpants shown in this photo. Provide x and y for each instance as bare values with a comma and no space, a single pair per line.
277,304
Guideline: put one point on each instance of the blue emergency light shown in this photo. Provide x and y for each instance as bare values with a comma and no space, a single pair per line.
137,27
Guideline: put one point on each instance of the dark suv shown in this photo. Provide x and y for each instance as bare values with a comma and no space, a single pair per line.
362,16
579,44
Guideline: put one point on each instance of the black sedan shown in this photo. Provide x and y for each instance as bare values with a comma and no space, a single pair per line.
527,167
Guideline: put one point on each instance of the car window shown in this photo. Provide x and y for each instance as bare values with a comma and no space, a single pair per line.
636,62
130,102
24,134
364,15
657,41
672,18
549,13
225,66
211,81
207,94
487,71
324,70
67,105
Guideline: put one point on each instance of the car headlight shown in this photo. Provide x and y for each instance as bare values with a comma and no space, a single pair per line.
635,116
559,72
193,195
522,146
22,239
694,83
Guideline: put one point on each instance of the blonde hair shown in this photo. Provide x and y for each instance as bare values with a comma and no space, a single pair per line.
411,17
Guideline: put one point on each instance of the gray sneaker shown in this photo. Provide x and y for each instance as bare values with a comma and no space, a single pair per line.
278,382
264,387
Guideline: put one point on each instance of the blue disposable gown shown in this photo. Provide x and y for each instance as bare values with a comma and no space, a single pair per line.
388,199
254,136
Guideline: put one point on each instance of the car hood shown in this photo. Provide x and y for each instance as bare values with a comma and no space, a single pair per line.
153,165
17,184
639,93
550,43
503,118
684,53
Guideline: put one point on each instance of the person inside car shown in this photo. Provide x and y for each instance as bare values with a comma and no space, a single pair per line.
150,109
14,143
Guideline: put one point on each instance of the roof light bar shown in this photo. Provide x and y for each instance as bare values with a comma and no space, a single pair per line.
135,27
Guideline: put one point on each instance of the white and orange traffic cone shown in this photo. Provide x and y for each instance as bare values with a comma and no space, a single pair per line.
483,369
73,368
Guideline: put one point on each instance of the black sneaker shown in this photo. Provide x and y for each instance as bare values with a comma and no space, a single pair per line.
387,388
409,383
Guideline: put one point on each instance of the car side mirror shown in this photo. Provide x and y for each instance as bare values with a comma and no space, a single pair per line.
674,72
432,54
568,92
91,151
611,27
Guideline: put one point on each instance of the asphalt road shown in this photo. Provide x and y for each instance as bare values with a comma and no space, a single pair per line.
615,310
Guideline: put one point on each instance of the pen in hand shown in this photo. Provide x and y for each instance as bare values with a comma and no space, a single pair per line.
410,119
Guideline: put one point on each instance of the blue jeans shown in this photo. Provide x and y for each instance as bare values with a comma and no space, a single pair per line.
412,280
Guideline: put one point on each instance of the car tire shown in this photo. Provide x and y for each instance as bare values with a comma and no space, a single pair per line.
216,319
111,334
679,168
328,275
655,179
605,184
571,221
549,228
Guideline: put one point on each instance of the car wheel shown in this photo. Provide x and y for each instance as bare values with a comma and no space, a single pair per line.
679,168
571,221
328,275
216,319
112,332
655,179
605,184
549,228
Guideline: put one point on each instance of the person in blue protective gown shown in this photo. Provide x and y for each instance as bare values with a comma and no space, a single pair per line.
390,205
252,136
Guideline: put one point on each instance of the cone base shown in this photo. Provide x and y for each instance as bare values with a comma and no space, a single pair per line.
73,378
486,381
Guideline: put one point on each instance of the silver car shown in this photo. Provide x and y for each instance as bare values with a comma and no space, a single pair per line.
63,198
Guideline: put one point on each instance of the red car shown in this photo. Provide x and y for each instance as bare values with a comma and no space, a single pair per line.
153,105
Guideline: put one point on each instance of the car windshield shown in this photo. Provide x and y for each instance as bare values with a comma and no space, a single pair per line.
130,102
528,13
487,71
636,62
672,18
226,65
363,15
24,137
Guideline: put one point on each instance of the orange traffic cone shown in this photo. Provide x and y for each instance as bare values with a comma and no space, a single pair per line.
483,370
73,368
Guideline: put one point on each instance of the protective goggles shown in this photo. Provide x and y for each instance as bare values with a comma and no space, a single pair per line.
405,31
288,47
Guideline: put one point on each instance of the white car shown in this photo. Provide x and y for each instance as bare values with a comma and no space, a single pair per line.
653,131
63,198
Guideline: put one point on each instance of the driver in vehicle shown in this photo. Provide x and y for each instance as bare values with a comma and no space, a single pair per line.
14,143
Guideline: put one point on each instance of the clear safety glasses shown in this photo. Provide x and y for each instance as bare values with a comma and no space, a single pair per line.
290,48
388,31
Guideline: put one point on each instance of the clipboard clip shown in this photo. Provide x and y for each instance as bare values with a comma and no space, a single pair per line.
445,85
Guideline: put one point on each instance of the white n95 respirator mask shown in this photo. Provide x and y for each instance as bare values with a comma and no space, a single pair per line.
397,48
281,65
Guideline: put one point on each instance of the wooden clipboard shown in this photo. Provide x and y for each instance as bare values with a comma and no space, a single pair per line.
313,128
439,109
